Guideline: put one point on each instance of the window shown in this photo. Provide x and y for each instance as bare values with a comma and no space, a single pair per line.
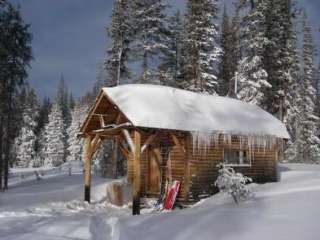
235,157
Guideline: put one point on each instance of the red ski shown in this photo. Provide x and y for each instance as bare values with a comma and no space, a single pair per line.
171,195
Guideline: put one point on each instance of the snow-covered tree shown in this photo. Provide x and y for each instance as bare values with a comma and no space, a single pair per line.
75,144
54,146
309,143
24,145
170,65
251,75
225,66
148,22
233,183
120,33
200,52
279,31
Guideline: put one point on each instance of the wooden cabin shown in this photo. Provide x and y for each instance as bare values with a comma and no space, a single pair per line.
170,134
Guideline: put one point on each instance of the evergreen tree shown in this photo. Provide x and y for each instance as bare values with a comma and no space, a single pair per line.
120,33
234,48
308,141
75,144
71,102
293,101
42,120
15,55
62,99
149,30
227,67
25,142
279,30
170,66
250,75
54,138
200,47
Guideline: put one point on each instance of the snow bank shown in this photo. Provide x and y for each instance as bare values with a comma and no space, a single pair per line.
287,210
163,107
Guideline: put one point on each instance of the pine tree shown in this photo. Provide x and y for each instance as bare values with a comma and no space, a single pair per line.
279,29
227,68
120,33
170,66
293,101
149,30
234,48
54,138
15,55
25,142
250,75
42,120
75,144
200,52
308,141
62,99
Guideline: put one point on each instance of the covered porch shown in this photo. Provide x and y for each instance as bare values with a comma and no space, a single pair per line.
146,150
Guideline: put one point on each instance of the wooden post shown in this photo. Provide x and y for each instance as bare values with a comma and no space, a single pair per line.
136,174
115,157
87,176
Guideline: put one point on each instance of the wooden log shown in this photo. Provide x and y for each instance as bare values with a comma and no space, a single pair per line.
136,174
115,194
148,142
177,143
87,176
128,138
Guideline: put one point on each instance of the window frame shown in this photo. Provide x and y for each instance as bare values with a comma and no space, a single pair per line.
239,164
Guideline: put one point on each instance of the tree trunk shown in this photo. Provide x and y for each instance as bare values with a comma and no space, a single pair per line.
7,142
1,151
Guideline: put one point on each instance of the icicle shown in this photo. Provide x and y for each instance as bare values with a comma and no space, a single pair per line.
202,142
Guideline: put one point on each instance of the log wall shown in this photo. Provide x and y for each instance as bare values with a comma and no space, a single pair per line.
203,167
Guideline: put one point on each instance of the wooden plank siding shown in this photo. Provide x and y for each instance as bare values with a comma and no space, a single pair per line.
203,167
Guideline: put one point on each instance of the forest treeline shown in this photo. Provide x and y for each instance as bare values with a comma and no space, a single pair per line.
259,51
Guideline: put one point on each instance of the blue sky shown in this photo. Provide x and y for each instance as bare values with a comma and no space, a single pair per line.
69,38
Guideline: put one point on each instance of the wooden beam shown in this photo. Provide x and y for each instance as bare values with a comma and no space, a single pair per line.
177,143
87,175
94,141
128,138
101,119
92,110
136,174
148,142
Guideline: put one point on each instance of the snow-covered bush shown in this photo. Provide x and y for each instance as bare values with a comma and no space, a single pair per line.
233,183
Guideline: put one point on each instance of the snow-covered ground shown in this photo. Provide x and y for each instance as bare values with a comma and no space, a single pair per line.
52,208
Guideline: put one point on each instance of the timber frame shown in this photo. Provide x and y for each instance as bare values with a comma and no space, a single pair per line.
157,155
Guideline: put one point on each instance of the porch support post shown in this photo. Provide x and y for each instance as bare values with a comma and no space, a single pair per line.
87,169
136,173
115,156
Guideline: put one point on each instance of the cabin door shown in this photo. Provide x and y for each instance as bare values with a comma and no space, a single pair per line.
153,175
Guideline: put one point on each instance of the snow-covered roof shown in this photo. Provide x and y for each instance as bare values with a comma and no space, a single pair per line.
154,106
